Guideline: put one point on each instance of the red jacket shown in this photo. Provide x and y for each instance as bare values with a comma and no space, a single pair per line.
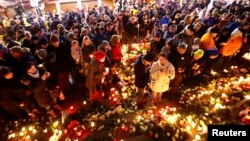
117,51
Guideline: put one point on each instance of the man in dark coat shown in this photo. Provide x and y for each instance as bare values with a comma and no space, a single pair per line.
61,69
157,43
141,70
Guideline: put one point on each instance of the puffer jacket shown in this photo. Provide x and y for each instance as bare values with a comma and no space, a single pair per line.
160,79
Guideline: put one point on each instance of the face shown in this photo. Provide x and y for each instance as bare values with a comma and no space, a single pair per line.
214,34
147,63
197,57
32,69
16,55
28,37
213,56
162,60
55,44
44,46
189,32
9,75
75,45
87,42
181,50
102,60
35,42
157,39
197,27
109,28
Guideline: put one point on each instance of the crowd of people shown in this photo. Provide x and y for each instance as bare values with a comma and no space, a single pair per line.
44,56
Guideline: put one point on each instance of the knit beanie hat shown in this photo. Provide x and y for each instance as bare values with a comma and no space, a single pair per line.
103,44
4,71
199,53
43,42
212,52
149,56
99,55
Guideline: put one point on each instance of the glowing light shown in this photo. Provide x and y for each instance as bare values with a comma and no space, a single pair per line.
34,131
55,124
92,124
71,108
28,137
45,130
247,97
197,137
21,134
13,135
84,102
30,128
23,129
139,117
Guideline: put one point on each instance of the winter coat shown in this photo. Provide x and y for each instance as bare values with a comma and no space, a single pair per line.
95,75
161,79
157,46
233,44
183,38
39,89
116,51
11,97
62,53
207,42
141,73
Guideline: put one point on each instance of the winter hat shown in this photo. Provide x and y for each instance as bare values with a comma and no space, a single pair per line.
4,71
199,53
34,38
103,44
191,27
149,56
71,36
99,55
212,52
42,54
158,34
214,30
43,41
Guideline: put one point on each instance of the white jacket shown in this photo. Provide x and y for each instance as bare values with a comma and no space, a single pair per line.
160,79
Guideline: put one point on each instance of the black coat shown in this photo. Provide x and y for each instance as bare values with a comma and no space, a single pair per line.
39,89
11,96
141,73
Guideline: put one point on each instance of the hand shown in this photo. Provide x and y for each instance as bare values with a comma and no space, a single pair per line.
223,44
45,75
181,70
105,73
21,104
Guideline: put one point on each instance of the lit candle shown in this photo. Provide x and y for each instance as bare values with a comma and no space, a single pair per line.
21,133
92,124
84,102
34,131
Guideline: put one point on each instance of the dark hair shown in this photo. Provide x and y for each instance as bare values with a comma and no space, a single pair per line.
4,70
54,38
182,46
163,55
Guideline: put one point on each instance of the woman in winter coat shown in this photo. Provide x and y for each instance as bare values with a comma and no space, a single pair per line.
14,100
77,57
87,52
37,82
96,75
161,72
116,48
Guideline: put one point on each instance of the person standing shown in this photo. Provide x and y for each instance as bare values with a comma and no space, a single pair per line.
161,72
142,75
